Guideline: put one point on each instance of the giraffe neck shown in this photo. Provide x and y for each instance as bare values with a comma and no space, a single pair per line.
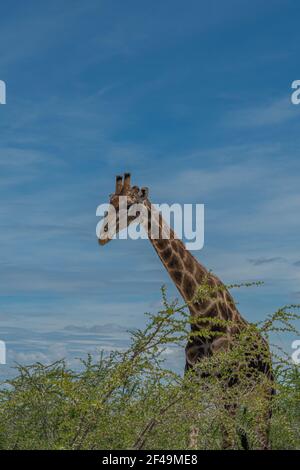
186,272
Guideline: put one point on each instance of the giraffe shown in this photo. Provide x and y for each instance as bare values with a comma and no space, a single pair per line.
187,273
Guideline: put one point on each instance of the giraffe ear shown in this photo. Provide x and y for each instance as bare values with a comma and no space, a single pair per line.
144,192
135,189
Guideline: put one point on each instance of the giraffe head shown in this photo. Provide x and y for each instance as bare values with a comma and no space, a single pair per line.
124,198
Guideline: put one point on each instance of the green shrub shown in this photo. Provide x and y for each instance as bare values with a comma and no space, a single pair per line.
131,400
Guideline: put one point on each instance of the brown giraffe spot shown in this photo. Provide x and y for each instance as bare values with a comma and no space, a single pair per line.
199,275
218,329
212,313
229,300
189,286
196,306
211,282
194,352
166,253
175,245
174,263
177,276
181,252
162,244
234,330
225,313
191,269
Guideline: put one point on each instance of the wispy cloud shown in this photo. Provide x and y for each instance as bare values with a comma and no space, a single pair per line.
260,261
92,94
271,113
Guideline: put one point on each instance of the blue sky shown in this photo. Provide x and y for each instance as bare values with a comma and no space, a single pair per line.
194,99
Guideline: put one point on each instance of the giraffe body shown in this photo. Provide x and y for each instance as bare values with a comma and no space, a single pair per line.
188,274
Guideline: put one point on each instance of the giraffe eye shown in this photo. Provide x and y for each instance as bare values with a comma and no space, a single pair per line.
138,213
105,228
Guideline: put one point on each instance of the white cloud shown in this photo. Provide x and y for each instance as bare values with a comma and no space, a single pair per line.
269,114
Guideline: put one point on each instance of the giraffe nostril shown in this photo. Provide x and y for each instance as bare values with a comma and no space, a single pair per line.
138,213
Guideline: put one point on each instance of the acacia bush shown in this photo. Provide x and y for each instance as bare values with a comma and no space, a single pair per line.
131,400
